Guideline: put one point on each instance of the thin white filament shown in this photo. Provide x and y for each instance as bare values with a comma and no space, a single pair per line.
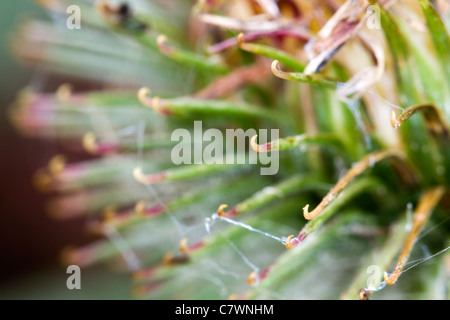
130,257
250,228
242,255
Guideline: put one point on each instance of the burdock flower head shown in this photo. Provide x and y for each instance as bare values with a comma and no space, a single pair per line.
250,149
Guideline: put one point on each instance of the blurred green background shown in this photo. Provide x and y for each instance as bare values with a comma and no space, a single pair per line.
30,241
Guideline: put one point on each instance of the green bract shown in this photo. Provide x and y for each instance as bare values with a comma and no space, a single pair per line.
359,92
